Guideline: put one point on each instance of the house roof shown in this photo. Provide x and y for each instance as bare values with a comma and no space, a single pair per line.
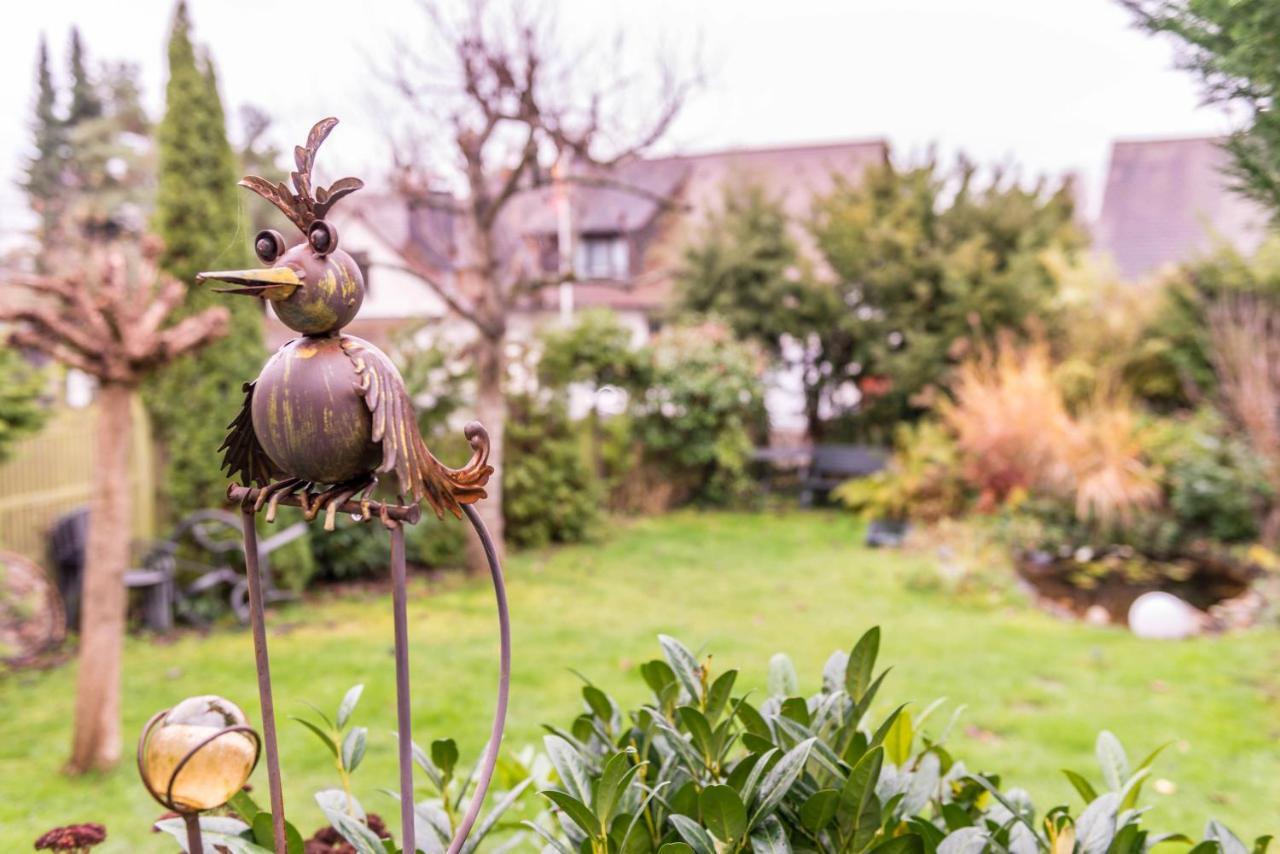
1167,201
629,196
625,199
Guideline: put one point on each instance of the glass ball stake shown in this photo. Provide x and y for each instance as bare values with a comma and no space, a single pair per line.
327,421
195,756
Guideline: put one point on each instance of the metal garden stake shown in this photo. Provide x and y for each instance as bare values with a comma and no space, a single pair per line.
327,417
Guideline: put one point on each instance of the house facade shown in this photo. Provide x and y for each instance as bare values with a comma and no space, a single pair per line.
626,230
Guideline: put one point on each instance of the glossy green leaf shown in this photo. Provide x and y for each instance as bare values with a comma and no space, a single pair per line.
770,838
444,754
319,733
353,747
931,837
216,830
1083,786
782,680
862,661
796,709
575,809
695,723
1096,826
244,805
777,782
570,767
908,843
966,840
819,809
693,834
615,777
752,720
1228,841
657,675
723,812
897,741
686,668
348,705
598,702
490,821
718,694
863,703
1112,760
685,800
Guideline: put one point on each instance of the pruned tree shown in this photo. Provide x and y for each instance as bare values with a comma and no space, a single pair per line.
105,311
496,100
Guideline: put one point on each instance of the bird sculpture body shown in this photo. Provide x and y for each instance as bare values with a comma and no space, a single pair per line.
329,414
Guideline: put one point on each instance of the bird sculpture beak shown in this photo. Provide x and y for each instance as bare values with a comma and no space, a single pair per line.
272,283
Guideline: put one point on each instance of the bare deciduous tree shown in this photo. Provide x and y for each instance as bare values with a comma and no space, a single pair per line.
106,315
496,100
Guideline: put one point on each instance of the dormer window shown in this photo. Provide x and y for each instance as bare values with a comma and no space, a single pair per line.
603,256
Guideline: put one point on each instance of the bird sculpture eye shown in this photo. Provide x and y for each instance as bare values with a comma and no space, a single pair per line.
269,245
323,237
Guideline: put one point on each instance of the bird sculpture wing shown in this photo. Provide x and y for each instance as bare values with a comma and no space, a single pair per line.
244,457
403,451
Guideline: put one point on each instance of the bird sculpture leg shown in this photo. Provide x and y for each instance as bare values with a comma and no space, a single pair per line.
272,493
335,496
365,498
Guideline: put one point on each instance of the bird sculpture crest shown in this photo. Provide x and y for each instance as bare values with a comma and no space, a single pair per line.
329,414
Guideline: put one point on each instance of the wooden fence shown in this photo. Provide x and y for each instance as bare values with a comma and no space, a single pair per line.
49,474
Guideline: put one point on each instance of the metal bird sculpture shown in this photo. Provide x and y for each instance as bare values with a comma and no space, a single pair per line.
329,413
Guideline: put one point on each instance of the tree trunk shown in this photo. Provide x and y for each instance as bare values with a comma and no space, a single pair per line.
96,742
491,411
812,408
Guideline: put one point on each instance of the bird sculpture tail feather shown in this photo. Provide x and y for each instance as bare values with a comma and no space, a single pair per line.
447,488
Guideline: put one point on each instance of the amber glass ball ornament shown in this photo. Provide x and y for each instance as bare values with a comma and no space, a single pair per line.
198,754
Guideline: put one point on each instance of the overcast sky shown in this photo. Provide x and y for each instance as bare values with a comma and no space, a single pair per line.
1045,84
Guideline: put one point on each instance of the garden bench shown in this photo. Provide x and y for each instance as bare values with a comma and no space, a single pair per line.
162,565
831,465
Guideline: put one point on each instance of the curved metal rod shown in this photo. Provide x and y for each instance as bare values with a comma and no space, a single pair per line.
504,684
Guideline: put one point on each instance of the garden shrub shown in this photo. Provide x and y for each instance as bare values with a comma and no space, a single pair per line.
1214,484
549,495
700,768
1010,423
20,410
702,413
922,481
1018,438
293,565
929,264
1179,332
353,550
597,351
244,826
360,550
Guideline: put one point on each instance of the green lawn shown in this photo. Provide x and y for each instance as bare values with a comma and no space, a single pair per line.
740,586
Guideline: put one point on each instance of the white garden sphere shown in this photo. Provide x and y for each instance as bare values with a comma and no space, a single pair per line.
1163,616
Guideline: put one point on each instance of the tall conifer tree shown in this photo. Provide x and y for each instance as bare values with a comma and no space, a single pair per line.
196,209
43,173
86,103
